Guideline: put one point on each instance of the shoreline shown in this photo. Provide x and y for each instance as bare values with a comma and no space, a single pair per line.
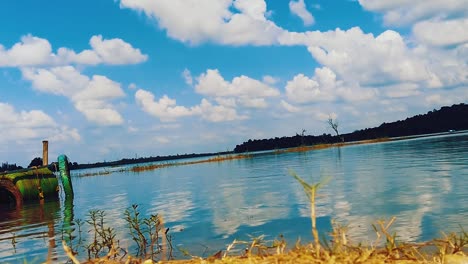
248,155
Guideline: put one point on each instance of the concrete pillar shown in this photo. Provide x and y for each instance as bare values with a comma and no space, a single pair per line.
45,153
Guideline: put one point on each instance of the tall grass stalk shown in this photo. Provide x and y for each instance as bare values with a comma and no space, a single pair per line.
311,192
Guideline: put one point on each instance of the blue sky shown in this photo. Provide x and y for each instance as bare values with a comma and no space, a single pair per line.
110,79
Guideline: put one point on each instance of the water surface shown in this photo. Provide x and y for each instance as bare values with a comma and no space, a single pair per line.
206,206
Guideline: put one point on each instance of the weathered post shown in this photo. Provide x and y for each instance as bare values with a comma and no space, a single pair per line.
45,152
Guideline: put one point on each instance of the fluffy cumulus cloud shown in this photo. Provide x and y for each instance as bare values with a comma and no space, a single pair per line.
166,109
30,51
323,87
369,60
303,89
223,98
91,96
233,22
288,107
364,61
438,34
23,126
442,33
35,51
299,9
243,89
217,113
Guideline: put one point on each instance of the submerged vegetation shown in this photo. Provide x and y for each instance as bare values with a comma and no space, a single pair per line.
218,158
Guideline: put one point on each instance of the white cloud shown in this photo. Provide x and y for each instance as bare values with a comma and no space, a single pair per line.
437,99
323,87
132,86
217,113
163,140
211,20
187,77
368,60
270,80
446,97
302,89
30,51
35,51
90,96
166,109
290,108
116,51
35,125
442,33
400,12
401,90
245,90
299,9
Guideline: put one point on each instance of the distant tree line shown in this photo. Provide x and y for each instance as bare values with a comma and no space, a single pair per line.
448,118
9,167
284,142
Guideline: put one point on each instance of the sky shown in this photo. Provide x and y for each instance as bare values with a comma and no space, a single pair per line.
103,80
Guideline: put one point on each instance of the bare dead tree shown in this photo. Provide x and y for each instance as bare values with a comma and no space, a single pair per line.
302,136
333,123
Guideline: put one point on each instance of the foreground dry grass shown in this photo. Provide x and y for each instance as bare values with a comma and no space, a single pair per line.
437,251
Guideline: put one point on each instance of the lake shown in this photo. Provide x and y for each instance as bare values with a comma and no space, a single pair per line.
422,181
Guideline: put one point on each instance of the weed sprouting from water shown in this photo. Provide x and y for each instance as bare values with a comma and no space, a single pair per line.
149,234
13,241
103,236
311,192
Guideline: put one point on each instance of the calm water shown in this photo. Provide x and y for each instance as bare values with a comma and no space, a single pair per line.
423,182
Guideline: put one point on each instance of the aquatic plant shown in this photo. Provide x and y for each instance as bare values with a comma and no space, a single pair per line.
103,236
311,192
149,234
